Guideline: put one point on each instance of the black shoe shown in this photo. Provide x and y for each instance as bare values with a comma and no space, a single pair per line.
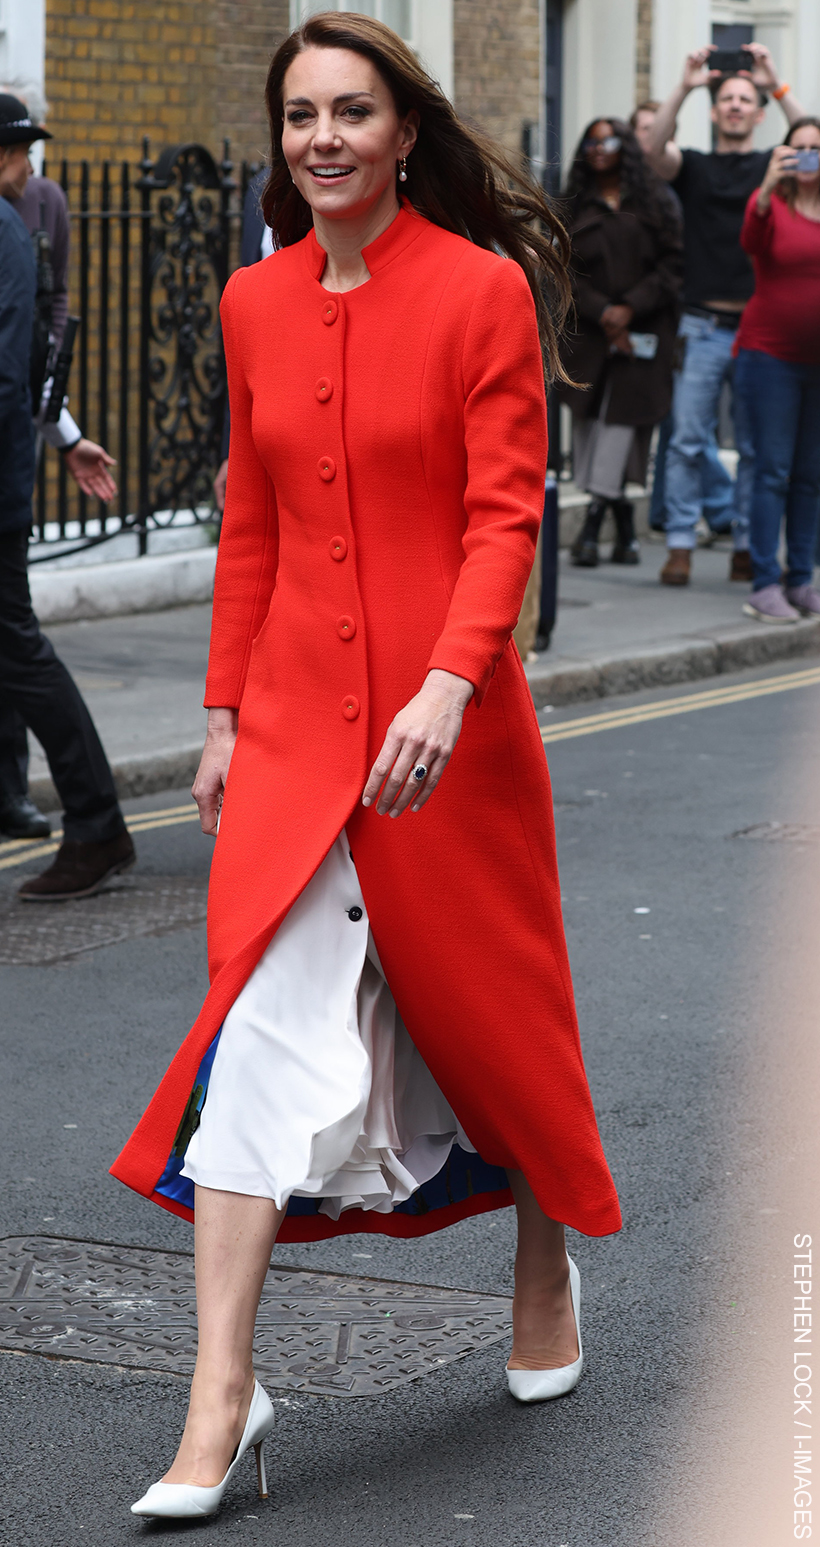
626,549
80,869
20,818
584,551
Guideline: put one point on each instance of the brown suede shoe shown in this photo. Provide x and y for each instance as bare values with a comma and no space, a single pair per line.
80,869
741,566
676,569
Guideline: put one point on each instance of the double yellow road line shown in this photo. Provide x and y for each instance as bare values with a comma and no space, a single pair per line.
20,851
712,698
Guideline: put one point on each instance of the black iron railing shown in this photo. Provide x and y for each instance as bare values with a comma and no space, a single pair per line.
152,248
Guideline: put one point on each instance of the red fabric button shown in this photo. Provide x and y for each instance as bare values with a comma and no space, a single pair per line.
330,311
338,549
346,627
324,389
327,469
350,707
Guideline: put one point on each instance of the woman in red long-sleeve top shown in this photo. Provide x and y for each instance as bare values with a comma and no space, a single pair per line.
777,375
390,1041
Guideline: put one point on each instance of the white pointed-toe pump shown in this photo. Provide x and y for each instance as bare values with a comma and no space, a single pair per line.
175,1501
543,1385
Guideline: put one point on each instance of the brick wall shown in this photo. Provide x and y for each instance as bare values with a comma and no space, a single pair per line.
175,69
248,34
497,54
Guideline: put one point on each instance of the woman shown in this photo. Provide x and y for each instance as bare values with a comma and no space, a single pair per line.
777,376
626,277
389,1042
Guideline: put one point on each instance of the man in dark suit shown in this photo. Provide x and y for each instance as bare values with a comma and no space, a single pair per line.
33,681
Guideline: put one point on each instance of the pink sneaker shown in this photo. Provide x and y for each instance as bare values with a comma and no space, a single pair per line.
769,605
805,599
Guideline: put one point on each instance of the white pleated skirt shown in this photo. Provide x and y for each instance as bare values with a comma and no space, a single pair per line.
316,1089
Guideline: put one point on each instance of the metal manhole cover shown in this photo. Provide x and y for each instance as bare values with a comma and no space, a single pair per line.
317,1333
32,934
785,832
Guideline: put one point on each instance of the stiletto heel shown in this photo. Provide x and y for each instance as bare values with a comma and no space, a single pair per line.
261,1478
176,1501
543,1385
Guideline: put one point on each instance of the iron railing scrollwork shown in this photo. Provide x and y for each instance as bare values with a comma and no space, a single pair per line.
152,249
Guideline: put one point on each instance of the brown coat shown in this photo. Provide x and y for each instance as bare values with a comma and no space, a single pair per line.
619,257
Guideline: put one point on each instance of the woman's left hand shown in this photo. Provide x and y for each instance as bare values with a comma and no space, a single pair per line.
425,732
88,465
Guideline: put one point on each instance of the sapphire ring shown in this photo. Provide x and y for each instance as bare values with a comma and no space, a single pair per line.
420,772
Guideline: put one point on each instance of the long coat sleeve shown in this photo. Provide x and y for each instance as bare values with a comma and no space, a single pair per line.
385,486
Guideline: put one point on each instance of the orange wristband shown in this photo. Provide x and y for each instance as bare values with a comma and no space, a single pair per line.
781,91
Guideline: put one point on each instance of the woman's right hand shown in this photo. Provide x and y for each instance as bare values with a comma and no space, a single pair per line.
209,784
782,163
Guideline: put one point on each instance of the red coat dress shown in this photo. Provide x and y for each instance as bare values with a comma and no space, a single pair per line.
385,488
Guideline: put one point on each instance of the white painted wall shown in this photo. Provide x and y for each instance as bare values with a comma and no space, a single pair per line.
23,51
22,40
801,63
433,40
599,64
678,29
427,25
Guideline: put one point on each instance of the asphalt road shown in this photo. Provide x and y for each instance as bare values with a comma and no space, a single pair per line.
665,914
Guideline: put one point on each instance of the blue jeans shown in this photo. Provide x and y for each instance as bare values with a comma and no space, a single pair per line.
781,402
707,364
717,487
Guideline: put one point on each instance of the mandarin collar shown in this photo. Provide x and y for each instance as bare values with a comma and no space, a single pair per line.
402,231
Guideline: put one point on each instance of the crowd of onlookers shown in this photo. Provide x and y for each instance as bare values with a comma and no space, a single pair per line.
692,270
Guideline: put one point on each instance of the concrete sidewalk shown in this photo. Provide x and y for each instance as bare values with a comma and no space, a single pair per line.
618,631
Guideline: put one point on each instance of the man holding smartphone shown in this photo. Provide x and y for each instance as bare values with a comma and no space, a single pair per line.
713,188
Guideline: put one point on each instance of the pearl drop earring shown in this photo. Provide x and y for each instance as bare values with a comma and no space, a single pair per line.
403,169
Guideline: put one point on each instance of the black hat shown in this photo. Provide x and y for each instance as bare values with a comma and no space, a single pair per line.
16,127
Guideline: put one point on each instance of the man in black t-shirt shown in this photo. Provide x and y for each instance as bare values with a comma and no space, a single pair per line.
713,188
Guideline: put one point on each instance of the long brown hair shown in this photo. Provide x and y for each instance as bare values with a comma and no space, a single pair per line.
459,179
787,189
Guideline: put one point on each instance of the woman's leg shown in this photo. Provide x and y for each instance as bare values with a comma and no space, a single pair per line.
768,393
234,1236
544,1333
803,500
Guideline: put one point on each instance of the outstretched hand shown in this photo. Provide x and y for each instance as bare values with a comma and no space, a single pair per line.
697,71
88,464
761,66
423,733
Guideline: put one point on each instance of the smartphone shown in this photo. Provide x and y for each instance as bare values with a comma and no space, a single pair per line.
808,160
729,60
644,345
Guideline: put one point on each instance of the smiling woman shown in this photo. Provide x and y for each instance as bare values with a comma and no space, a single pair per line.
390,1042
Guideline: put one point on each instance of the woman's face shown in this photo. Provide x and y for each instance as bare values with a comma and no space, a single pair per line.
599,159
807,138
342,136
